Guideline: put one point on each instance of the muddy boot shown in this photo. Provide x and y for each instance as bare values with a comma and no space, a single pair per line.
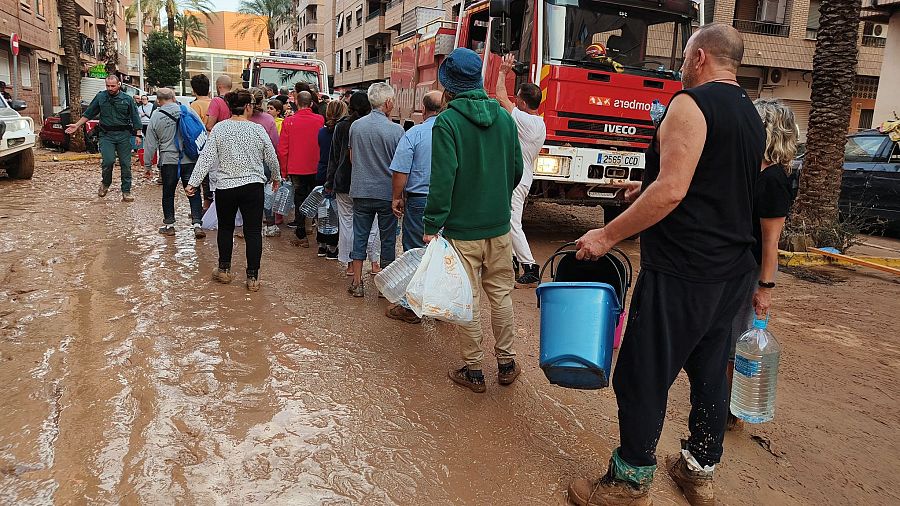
126,197
400,313
697,486
356,290
473,380
507,373
199,233
103,190
253,281
734,424
623,485
300,243
222,274
531,277
167,230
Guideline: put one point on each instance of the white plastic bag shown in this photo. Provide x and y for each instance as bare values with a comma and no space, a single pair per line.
440,288
211,219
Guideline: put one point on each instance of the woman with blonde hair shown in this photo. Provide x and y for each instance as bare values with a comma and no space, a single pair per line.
771,203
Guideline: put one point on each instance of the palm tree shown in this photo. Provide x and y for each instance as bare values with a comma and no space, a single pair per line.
150,11
68,18
172,8
834,72
262,17
110,37
190,27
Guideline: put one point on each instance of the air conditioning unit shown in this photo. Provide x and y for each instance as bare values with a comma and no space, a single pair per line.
878,30
776,77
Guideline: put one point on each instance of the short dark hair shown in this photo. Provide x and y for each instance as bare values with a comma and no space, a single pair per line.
272,87
113,77
200,85
238,100
530,94
277,105
359,105
304,99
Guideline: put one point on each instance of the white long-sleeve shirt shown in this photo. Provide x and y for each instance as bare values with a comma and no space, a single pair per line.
239,151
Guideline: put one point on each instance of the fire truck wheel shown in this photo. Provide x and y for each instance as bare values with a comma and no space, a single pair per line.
21,166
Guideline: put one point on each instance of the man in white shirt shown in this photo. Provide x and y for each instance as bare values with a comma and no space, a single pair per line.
532,133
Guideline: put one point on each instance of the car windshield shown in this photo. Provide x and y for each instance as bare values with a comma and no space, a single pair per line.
864,148
286,77
636,38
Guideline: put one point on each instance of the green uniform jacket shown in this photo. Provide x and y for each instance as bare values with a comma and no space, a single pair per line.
115,111
476,162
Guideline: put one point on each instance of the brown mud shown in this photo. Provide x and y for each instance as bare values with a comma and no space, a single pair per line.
129,377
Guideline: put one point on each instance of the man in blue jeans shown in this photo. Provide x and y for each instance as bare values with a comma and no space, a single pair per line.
373,141
411,169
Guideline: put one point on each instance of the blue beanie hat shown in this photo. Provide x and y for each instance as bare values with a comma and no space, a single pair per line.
461,71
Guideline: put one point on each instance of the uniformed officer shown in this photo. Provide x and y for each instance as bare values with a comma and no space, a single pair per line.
119,120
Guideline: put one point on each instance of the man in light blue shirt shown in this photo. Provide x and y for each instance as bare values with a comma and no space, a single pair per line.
411,168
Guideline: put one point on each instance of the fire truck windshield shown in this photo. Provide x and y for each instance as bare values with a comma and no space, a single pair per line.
642,40
286,77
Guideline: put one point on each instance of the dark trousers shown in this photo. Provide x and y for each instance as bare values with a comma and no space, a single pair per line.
170,178
112,145
676,324
303,186
207,191
365,212
249,200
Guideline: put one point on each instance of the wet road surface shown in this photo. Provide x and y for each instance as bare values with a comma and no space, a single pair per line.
131,378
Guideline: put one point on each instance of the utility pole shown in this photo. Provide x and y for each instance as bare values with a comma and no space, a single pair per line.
140,22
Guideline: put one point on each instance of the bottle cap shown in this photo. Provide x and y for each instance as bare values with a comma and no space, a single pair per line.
760,324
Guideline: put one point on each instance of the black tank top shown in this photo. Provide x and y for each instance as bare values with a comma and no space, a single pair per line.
709,236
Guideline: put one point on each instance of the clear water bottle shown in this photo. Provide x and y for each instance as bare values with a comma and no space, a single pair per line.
755,374
657,111
310,205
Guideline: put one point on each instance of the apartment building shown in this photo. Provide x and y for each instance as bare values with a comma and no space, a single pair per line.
780,40
364,30
311,36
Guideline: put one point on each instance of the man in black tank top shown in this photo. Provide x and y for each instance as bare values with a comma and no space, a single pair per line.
695,219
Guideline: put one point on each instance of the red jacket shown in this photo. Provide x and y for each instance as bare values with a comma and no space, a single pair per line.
298,146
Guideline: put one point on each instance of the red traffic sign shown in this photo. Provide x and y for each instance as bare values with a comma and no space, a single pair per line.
14,43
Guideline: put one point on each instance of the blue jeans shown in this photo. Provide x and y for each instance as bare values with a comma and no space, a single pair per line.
364,213
414,223
169,175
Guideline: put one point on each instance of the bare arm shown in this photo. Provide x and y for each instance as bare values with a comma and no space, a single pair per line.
771,233
502,95
679,154
398,181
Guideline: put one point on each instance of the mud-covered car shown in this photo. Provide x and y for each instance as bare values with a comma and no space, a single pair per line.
53,132
17,140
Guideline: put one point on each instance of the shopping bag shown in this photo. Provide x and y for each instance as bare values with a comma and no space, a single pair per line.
440,288
310,205
210,219
284,199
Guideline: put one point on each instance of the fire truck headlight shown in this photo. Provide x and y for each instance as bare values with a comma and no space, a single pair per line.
547,165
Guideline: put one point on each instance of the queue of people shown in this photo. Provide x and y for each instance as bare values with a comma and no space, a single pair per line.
709,212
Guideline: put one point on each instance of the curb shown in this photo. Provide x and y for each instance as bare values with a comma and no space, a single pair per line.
798,259
69,158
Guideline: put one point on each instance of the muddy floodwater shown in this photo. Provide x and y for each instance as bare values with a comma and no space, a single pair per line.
128,377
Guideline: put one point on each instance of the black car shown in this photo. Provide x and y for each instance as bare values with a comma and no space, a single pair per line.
870,186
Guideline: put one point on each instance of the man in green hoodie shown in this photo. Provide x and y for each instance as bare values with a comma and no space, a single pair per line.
476,162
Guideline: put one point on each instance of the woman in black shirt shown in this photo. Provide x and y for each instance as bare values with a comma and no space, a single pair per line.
771,203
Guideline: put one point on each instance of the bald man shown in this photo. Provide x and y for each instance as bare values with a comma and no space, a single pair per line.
218,109
694,213
411,178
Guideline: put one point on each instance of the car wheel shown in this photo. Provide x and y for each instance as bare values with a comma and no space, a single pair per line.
21,166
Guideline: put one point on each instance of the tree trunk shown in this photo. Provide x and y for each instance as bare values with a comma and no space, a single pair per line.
183,61
110,37
170,17
271,34
834,73
295,24
68,17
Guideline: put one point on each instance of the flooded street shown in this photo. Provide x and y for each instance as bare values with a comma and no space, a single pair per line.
129,377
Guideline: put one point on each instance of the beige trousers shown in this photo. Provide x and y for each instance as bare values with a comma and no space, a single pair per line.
488,262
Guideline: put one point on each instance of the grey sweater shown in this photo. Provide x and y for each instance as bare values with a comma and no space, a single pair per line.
161,136
373,141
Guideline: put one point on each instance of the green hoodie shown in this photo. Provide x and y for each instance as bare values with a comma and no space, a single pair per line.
476,162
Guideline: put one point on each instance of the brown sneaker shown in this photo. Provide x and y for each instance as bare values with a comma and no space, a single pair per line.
126,197
199,233
253,284
103,190
468,379
697,486
223,276
300,243
398,312
734,424
607,491
508,373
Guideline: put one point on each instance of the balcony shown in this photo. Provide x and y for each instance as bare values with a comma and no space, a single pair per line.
762,27
374,69
872,41
85,7
375,23
100,12
87,45
374,14
393,14
133,64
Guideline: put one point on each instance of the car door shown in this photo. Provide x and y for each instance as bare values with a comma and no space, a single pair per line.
863,182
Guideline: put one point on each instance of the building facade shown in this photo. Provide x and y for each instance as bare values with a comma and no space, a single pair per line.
779,43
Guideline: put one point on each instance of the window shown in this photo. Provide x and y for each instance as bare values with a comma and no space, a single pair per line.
865,148
359,16
24,71
865,118
39,7
358,57
5,74
340,26
337,61
812,19
347,61
350,20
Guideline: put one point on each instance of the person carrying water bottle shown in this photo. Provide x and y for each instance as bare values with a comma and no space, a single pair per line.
772,201
695,216
162,135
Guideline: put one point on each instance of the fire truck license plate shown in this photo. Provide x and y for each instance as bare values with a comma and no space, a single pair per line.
621,159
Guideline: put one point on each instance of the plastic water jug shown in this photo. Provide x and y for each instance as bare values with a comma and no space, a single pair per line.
755,374
328,218
310,206
393,279
284,199
269,197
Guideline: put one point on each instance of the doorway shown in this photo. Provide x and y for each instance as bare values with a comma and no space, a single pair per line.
46,89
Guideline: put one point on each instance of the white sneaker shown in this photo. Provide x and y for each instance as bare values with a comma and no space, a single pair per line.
272,231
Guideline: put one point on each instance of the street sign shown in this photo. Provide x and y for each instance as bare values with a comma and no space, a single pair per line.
14,43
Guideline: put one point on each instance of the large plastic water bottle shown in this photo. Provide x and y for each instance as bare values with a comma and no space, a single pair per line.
755,374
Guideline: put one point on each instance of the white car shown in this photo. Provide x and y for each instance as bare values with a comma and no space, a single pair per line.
18,140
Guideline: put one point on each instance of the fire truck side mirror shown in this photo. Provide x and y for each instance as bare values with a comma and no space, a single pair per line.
245,77
499,8
501,35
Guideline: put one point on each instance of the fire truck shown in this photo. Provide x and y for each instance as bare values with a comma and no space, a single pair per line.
600,65
285,68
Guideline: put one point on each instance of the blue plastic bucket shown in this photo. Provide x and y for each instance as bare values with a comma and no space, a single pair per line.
578,325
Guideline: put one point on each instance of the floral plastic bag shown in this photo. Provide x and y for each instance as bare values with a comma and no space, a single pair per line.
440,288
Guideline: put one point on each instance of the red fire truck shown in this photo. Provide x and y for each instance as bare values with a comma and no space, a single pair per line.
600,64
285,68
